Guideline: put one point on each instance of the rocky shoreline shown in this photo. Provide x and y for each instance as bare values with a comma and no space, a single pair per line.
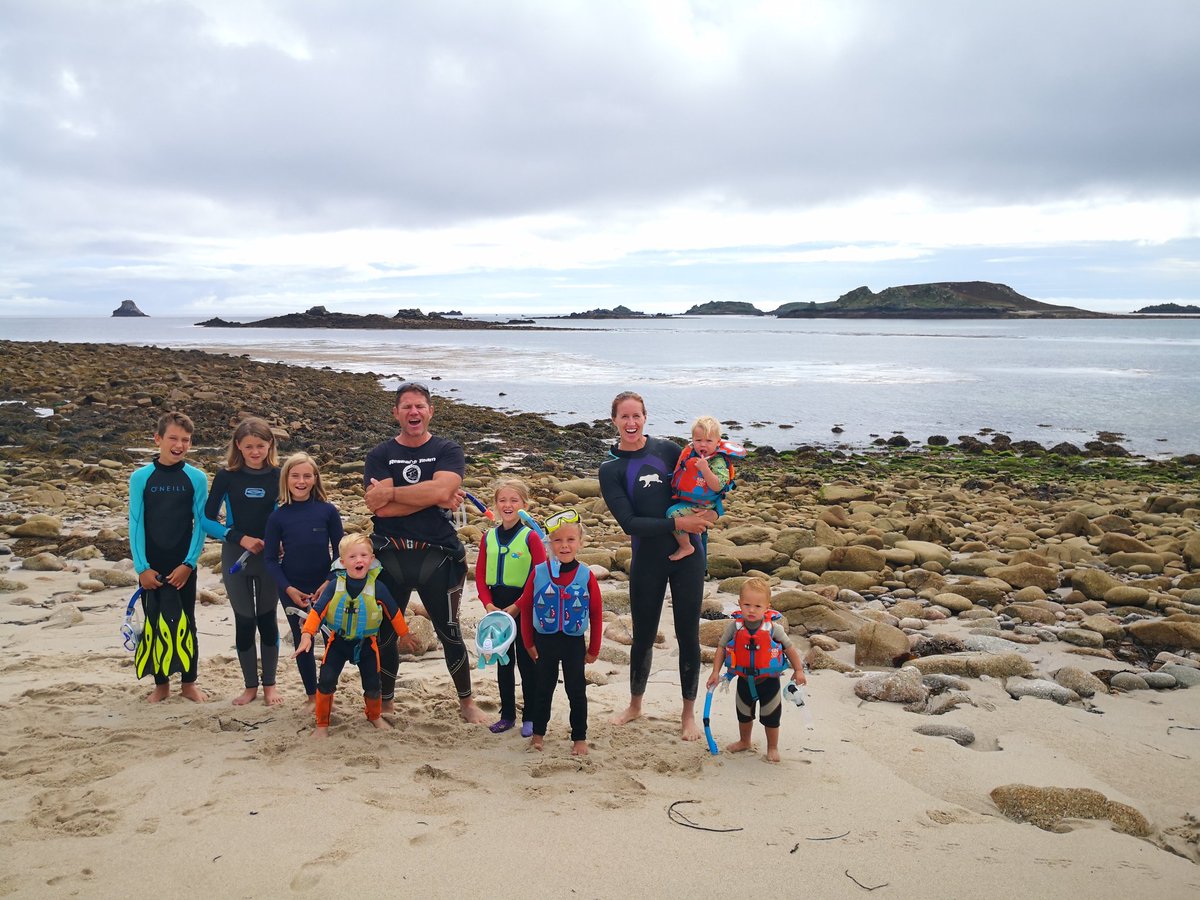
921,576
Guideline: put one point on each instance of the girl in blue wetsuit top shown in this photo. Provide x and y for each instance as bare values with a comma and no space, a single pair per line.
247,488
301,539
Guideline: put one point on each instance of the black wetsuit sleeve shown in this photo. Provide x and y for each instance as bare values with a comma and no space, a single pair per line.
212,507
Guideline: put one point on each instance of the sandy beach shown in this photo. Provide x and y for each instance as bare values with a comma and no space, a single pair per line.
109,796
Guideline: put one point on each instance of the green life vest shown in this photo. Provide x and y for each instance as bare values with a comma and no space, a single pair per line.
358,617
508,564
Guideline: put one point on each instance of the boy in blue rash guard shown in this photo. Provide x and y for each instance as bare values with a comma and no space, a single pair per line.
247,488
302,535
166,509
635,482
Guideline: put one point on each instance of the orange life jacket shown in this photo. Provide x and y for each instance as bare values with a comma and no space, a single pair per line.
689,485
756,654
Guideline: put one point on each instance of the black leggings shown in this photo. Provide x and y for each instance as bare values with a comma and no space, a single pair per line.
571,652
648,580
438,581
306,662
770,701
338,652
266,627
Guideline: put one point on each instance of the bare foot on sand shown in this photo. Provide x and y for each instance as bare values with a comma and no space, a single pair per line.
536,742
471,713
271,695
160,693
321,733
381,723
311,700
773,754
245,696
689,730
739,747
579,748
386,706
631,712
193,693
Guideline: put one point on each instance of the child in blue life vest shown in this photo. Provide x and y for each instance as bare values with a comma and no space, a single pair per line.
507,557
353,606
702,476
247,489
757,645
561,621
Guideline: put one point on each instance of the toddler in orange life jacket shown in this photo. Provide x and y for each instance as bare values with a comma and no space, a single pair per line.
757,644
702,476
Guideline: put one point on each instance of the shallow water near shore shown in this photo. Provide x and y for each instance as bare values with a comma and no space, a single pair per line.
783,382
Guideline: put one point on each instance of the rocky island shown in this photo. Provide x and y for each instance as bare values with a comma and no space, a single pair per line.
320,317
725,308
617,312
940,300
1169,309
128,310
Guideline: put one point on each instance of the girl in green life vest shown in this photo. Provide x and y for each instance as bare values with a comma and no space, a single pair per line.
507,556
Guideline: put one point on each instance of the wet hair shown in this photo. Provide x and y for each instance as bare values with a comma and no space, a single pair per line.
299,459
756,585
579,525
167,419
413,387
511,484
353,540
250,427
627,395
708,426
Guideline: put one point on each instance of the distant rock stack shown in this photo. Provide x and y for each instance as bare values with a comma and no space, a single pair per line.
128,309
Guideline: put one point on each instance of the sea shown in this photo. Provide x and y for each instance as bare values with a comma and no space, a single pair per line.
781,383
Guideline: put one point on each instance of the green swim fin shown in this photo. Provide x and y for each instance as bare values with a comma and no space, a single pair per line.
168,642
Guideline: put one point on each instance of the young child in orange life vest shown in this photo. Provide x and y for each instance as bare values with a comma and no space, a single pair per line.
757,644
352,605
701,478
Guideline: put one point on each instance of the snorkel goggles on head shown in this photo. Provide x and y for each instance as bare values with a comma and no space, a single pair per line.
559,519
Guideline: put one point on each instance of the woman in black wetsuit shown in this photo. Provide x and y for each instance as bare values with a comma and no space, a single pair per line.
636,483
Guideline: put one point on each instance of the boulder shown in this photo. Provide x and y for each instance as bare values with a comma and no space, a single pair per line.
1026,575
879,644
1082,682
749,534
997,665
586,488
1093,583
1047,807
926,551
39,525
856,558
841,492
904,686
1167,633
720,567
43,562
1041,689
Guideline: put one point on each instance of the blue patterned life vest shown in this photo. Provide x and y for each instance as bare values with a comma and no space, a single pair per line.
560,608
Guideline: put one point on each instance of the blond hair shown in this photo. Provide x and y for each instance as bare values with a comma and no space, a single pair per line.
756,585
299,459
516,485
250,427
708,426
353,539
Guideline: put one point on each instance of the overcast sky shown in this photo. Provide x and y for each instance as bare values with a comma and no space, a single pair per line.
244,158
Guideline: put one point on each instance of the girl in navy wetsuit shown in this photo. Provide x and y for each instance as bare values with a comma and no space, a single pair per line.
300,543
248,487
636,484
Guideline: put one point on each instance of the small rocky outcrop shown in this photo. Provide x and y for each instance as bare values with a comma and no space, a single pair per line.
725,308
129,310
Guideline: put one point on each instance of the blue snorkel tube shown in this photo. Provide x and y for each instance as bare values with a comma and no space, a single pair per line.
708,735
241,561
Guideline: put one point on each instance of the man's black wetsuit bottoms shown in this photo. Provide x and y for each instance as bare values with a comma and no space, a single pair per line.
636,485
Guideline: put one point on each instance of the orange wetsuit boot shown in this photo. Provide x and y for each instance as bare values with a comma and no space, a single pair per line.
374,707
324,707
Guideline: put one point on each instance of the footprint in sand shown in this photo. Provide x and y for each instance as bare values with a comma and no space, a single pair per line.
311,873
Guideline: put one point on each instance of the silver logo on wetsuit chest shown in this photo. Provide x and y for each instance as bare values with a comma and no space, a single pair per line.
650,479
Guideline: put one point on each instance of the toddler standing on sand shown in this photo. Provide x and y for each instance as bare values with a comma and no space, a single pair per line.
560,605
508,555
702,476
353,607
757,645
